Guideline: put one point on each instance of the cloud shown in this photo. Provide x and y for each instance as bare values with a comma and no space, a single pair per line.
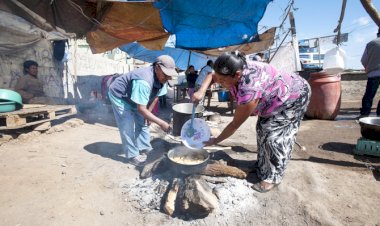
361,21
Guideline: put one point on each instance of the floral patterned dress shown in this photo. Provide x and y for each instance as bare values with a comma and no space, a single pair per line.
282,103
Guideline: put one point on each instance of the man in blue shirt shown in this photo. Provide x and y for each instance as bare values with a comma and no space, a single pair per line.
130,94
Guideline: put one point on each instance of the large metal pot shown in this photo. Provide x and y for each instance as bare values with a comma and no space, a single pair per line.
182,113
370,127
188,161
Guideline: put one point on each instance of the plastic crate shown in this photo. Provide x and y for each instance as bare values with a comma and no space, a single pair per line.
367,147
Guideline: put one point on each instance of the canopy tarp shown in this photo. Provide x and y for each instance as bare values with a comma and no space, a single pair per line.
125,23
183,58
266,41
197,24
200,24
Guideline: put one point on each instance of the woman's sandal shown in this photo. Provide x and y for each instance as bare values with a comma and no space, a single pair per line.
260,188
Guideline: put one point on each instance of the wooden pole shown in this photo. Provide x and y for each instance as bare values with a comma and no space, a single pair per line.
371,10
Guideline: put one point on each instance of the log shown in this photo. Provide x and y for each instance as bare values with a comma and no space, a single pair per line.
219,170
197,198
169,205
151,167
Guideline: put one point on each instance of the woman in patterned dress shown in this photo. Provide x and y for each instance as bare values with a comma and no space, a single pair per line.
278,99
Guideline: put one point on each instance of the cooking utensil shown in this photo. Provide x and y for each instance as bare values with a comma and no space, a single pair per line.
190,131
182,113
202,133
7,106
10,95
188,161
370,127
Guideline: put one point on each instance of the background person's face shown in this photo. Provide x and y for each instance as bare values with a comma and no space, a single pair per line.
33,70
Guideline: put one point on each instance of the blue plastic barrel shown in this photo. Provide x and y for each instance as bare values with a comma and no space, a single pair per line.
223,96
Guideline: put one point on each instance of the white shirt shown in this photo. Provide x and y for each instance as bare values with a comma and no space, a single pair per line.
202,75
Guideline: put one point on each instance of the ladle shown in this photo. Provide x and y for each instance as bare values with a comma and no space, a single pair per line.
190,131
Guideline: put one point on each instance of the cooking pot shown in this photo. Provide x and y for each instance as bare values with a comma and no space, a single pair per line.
370,127
188,161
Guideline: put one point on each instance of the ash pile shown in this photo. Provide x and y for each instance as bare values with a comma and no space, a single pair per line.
218,189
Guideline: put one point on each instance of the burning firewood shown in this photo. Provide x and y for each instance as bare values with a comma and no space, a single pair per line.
220,170
169,205
151,167
197,198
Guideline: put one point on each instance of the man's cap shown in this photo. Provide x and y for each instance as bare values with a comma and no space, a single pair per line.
167,65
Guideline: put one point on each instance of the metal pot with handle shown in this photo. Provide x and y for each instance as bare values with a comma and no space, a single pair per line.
188,161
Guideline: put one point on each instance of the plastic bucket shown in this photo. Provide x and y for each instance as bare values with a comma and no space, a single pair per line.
223,96
182,113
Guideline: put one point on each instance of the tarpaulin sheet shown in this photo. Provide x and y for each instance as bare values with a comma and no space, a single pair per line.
266,41
125,23
180,56
200,24
18,34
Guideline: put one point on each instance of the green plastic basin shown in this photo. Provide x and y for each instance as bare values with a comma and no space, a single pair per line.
10,95
7,106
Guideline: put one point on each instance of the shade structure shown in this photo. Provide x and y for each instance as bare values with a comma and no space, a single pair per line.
182,57
200,24
197,24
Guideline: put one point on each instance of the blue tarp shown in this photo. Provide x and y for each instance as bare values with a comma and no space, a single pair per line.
180,56
208,24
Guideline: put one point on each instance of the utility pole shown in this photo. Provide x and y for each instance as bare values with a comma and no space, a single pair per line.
294,41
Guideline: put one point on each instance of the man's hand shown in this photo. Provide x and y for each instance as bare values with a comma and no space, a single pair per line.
165,127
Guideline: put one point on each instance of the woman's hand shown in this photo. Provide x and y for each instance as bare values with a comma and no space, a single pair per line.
210,142
197,96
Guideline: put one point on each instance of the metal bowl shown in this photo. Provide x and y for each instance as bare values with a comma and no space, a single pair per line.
188,161
370,127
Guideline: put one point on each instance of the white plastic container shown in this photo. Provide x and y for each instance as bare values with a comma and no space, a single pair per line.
334,61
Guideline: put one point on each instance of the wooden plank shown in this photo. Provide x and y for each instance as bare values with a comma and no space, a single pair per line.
26,106
40,109
34,116
15,120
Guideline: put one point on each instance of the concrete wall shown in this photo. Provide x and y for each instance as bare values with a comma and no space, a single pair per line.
73,79
50,71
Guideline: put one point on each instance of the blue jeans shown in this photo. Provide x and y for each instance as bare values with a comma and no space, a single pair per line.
134,132
370,92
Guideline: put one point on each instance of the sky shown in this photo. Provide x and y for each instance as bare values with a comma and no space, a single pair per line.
319,18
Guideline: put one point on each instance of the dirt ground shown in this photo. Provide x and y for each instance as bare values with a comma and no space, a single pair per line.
74,174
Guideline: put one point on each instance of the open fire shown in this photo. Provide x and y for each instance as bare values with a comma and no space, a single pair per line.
217,189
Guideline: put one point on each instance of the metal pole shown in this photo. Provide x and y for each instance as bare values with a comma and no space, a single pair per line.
319,52
188,60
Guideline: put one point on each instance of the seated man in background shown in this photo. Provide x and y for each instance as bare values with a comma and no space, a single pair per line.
28,86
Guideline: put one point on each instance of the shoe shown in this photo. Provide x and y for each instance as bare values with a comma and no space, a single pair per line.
139,160
260,188
146,151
